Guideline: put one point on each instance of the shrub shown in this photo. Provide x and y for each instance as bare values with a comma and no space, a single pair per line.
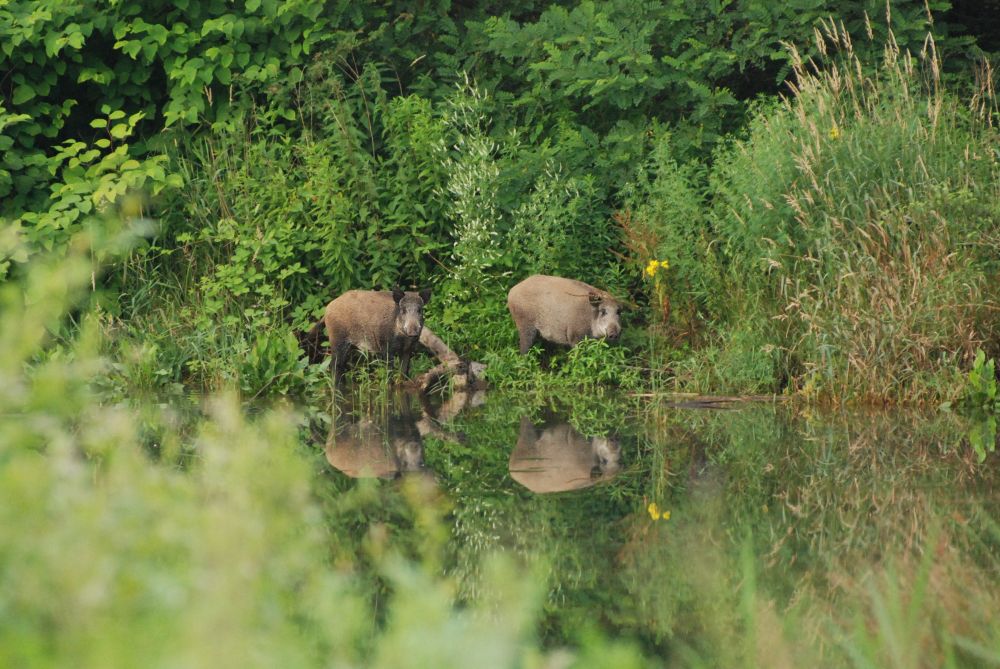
861,217
666,219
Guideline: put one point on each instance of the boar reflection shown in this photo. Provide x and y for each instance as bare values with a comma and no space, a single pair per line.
558,458
372,449
368,449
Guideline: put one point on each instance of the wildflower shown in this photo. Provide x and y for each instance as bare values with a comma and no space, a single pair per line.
654,511
834,132
656,265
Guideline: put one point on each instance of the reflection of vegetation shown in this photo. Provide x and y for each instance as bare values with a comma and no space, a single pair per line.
792,532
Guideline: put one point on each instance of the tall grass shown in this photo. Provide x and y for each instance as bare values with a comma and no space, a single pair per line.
856,224
865,208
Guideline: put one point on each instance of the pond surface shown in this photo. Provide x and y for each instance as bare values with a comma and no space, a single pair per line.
700,534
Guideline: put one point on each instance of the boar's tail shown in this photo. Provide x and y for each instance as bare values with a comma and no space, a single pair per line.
312,342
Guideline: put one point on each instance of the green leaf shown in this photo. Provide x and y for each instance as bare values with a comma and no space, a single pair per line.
22,94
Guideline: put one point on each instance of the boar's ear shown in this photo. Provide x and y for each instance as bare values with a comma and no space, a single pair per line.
397,294
595,299
425,295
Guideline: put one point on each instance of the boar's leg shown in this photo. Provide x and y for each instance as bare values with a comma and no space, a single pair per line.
526,330
399,349
339,349
526,334
404,361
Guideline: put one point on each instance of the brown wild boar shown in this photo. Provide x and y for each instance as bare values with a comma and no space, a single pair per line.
387,324
559,458
562,311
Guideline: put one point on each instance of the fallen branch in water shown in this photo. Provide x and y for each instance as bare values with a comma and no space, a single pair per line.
466,374
688,400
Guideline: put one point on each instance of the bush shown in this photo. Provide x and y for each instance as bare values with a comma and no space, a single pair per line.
665,218
588,366
859,222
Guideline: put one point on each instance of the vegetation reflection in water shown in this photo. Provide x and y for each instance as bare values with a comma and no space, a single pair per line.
751,534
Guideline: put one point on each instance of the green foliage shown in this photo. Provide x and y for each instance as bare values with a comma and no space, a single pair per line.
693,64
842,244
291,151
742,361
983,435
981,402
279,217
588,366
212,537
858,223
666,219
981,391
170,64
225,557
274,365
594,362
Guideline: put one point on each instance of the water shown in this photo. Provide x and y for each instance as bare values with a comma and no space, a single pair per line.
699,535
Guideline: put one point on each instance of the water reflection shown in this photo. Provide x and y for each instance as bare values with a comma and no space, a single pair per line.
367,449
393,445
557,457
820,509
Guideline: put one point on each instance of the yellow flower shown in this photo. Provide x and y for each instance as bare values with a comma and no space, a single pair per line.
655,513
834,132
652,267
665,264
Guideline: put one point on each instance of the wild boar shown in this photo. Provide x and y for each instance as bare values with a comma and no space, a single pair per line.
559,458
562,311
387,324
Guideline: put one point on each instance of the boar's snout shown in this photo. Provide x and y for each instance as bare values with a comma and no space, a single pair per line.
605,321
412,328
410,455
609,331
607,455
